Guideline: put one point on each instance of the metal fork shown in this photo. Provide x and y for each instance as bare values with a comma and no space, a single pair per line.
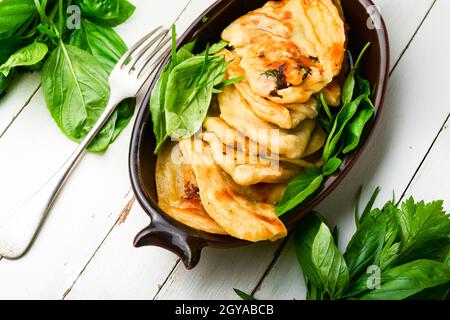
128,77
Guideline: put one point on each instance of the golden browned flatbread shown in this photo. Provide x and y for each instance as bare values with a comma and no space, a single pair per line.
178,191
238,114
247,170
284,116
235,212
233,138
289,49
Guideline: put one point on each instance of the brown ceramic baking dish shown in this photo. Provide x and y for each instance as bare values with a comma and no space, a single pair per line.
365,25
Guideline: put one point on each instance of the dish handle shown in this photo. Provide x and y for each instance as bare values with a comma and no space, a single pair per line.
162,234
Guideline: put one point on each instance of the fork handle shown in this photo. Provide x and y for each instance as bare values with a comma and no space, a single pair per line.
17,233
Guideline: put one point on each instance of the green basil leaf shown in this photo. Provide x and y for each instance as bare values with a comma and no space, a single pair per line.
4,81
102,42
216,47
331,166
299,189
189,93
366,245
107,48
447,259
157,98
228,82
244,296
424,230
304,234
10,45
391,248
389,256
356,126
408,279
349,84
76,90
369,205
344,116
14,13
323,104
126,10
100,9
27,56
329,263
441,292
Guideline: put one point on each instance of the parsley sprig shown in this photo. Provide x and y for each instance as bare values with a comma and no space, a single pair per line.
397,252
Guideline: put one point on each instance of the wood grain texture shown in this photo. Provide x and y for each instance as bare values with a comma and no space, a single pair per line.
17,97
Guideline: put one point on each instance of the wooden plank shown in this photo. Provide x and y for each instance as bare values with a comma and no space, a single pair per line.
219,272
407,128
432,180
90,203
119,278
17,96
403,19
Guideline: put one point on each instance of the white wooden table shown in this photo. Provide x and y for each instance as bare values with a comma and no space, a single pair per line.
84,250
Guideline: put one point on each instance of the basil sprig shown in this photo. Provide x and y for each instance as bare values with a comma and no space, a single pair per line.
75,59
344,133
182,95
397,252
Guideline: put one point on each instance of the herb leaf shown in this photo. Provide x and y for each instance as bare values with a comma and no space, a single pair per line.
244,296
158,95
102,42
408,279
366,245
99,9
107,48
424,230
329,263
228,82
304,233
27,56
76,90
349,84
325,107
189,93
331,166
345,114
109,14
300,188
14,13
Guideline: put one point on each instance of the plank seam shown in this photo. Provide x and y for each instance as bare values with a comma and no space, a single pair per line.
276,255
441,130
13,119
69,289
412,38
167,279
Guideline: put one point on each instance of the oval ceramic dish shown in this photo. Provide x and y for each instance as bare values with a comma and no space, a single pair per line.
186,242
